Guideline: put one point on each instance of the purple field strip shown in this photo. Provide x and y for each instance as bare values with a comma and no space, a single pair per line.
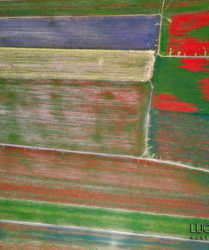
108,32
101,181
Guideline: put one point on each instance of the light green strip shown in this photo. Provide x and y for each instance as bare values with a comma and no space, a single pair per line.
102,218
116,65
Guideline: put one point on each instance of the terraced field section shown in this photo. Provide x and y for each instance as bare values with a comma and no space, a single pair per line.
180,116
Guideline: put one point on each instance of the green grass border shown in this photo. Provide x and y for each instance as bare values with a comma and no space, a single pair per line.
94,217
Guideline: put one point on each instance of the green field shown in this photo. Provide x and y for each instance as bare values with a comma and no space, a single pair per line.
182,81
53,213
178,6
78,8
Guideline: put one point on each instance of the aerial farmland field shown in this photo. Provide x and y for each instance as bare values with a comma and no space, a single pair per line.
104,124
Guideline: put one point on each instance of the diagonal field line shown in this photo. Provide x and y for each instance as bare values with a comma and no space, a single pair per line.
93,207
119,156
147,123
123,210
97,230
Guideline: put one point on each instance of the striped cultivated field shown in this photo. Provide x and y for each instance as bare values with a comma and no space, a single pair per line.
180,137
97,116
48,236
41,236
94,180
98,218
104,114
76,64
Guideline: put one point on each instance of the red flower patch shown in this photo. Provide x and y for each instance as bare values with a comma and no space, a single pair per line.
169,102
205,87
181,42
195,65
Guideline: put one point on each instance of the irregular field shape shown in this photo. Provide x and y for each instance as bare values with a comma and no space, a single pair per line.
181,84
79,7
87,116
112,32
115,65
57,236
102,181
181,137
186,33
185,36
179,130
97,218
